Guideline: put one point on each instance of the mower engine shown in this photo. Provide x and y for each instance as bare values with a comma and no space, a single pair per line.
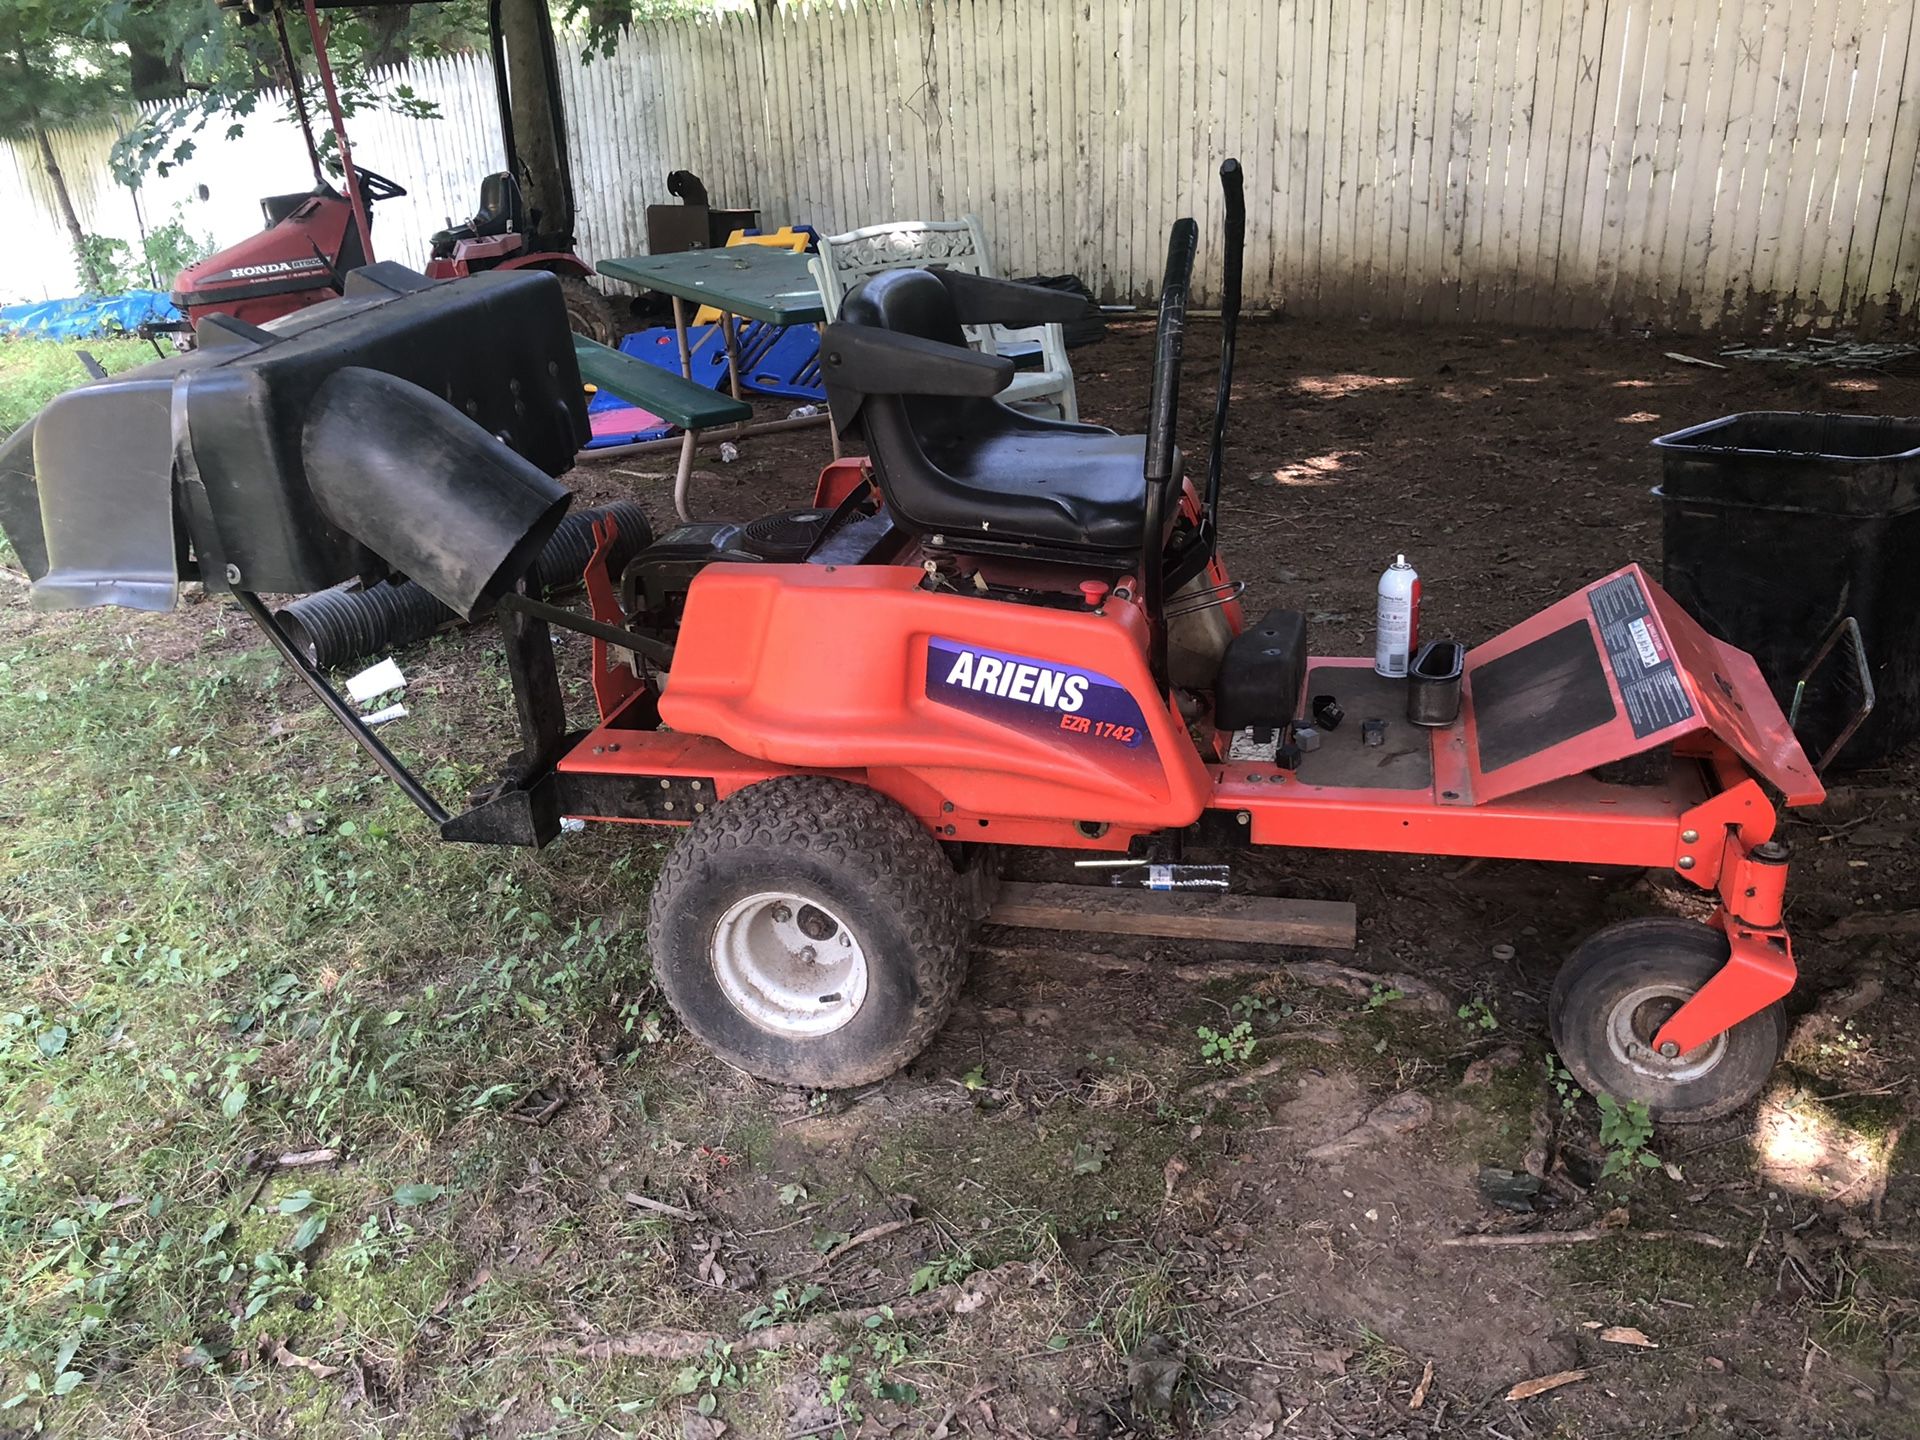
653,587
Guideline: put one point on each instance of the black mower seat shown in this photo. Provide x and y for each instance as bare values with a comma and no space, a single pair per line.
502,212
970,468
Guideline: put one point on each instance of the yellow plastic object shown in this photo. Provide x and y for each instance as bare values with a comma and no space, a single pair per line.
785,238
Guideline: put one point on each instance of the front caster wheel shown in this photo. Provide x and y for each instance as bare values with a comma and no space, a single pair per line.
1617,990
811,932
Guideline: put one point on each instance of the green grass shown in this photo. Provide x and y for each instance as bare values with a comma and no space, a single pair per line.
220,940
32,372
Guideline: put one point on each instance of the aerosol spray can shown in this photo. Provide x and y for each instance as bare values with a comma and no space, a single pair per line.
1397,621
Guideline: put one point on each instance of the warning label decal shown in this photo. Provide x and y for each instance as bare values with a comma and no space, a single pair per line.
1655,696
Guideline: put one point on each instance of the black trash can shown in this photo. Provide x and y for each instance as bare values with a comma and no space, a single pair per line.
1780,524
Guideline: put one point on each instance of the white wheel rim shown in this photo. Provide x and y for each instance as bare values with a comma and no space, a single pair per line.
1634,1020
789,964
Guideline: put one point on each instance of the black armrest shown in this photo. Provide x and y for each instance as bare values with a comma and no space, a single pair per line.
982,300
867,360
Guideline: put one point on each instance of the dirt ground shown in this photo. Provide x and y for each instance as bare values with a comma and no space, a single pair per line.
1120,1238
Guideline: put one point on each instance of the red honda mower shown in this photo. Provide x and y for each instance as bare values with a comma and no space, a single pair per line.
301,258
312,239
995,630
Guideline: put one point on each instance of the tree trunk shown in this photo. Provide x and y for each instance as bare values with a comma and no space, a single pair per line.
390,44
609,16
89,272
525,29
153,60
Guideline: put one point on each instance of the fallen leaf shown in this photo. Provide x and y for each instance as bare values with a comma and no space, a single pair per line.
1090,1156
1527,1389
1171,1173
1627,1335
1332,1362
1153,1372
1420,1390
283,1356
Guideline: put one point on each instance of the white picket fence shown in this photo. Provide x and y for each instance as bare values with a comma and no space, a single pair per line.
1693,163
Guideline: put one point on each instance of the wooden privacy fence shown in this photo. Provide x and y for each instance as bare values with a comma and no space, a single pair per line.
1692,164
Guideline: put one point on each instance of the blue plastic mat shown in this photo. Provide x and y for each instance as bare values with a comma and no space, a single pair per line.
658,346
774,359
617,422
86,317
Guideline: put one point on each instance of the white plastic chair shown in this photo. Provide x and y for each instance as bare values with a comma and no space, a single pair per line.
845,260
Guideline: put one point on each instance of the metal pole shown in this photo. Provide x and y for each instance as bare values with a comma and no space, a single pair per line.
319,34
342,711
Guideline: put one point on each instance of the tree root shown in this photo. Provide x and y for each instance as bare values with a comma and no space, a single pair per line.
960,1298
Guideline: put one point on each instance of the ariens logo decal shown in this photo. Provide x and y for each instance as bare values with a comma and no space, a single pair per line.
1017,680
1077,705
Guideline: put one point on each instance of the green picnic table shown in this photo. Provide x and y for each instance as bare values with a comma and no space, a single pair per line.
751,280
740,280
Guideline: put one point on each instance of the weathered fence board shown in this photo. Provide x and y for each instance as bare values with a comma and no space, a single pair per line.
1686,163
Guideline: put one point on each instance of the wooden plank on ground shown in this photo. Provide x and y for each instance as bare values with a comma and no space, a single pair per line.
1250,919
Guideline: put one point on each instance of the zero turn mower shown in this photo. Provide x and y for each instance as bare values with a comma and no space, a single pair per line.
994,630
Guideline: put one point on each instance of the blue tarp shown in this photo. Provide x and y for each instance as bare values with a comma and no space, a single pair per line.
87,316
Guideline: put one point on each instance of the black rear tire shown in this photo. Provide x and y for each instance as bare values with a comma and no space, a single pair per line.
588,311
861,872
1620,986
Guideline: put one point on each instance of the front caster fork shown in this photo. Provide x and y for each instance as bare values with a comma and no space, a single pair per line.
1752,885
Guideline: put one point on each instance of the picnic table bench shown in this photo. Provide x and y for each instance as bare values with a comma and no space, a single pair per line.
691,406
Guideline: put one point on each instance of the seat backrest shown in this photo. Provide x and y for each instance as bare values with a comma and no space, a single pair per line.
500,206
847,259
907,302
899,428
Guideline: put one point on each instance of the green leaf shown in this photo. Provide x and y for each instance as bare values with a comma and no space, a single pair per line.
1088,1159
707,1404
235,1100
417,1194
51,1041
296,1202
311,1229
67,1382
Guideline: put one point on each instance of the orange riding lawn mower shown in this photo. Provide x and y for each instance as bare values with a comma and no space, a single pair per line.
993,630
